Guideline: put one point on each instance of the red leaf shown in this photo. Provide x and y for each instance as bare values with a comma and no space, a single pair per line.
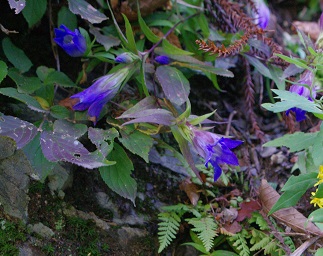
247,208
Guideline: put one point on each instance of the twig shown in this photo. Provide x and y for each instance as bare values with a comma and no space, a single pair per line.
299,251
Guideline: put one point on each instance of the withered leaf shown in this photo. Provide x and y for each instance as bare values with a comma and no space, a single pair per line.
191,191
247,208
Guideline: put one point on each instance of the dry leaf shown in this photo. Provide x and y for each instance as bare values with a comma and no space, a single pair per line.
69,102
289,216
247,208
191,191
230,229
309,28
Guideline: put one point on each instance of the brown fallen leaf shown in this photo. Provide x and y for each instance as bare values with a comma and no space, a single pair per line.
191,191
309,28
247,208
289,216
230,229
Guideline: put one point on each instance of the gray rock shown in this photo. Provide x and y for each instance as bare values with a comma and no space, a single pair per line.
42,230
126,234
59,179
14,183
7,147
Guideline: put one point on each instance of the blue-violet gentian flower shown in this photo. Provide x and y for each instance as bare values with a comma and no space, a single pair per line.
99,93
305,79
162,59
262,18
214,149
73,43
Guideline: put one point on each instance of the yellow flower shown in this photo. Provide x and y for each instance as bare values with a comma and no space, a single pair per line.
319,176
316,201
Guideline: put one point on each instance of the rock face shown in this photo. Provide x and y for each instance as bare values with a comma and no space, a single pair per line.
14,179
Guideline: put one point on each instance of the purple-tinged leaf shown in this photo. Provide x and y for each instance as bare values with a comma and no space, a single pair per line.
99,136
292,70
147,103
175,85
136,142
41,166
21,131
59,147
107,41
157,116
17,5
87,11
117,176
73,131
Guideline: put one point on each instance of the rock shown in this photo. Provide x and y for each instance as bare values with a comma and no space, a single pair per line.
126,234
14,183
59,179
7,147
267,151
42,230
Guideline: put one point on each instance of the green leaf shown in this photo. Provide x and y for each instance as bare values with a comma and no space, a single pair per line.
319,252
25,98
294,188
16,56
204,25
146,30
172,49
223,253
59,112
258,65
34,11
319,192
25,84
3,70
66,17
87,11
43,71
136,142
316,216
117,176
129,35
295,142
298,62
290,100
175,85
58,78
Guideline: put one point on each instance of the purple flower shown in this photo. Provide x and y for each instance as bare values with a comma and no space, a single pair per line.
162,59
99,93
305,79
124,58
214,149
262,18
73,43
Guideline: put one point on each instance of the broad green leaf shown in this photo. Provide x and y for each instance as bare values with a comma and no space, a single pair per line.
66,17
87,11
319,192
34,11
118,176
58,78
295,142
129,35
146,30
204,25
298,62
294,188
59,112
25,84
175,85
3,70
258,65
25,98
319,251
99,137
172,49
16,56
316,216
290,100
37,159
205,68
316,151
136,142
276,75
43,71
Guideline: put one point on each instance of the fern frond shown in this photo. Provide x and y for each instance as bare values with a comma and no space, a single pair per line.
205,229
259,220
167,228
240,243
261,244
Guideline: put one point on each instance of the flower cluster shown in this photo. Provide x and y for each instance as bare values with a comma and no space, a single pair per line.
304,87
318,200
73,43
214,149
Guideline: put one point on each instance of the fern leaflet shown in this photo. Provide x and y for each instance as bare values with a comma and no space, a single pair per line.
206,230
167,228
240,243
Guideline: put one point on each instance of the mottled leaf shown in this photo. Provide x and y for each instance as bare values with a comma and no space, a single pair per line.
107,41
156,116
25,98
117,176
18,5
175,85
64,147
136,142
16,56
99,137
21,131
3,70
35,155
87,11
34,11
69,129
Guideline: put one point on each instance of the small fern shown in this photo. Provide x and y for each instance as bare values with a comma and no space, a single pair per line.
206,230
259,220
167,228
240,242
